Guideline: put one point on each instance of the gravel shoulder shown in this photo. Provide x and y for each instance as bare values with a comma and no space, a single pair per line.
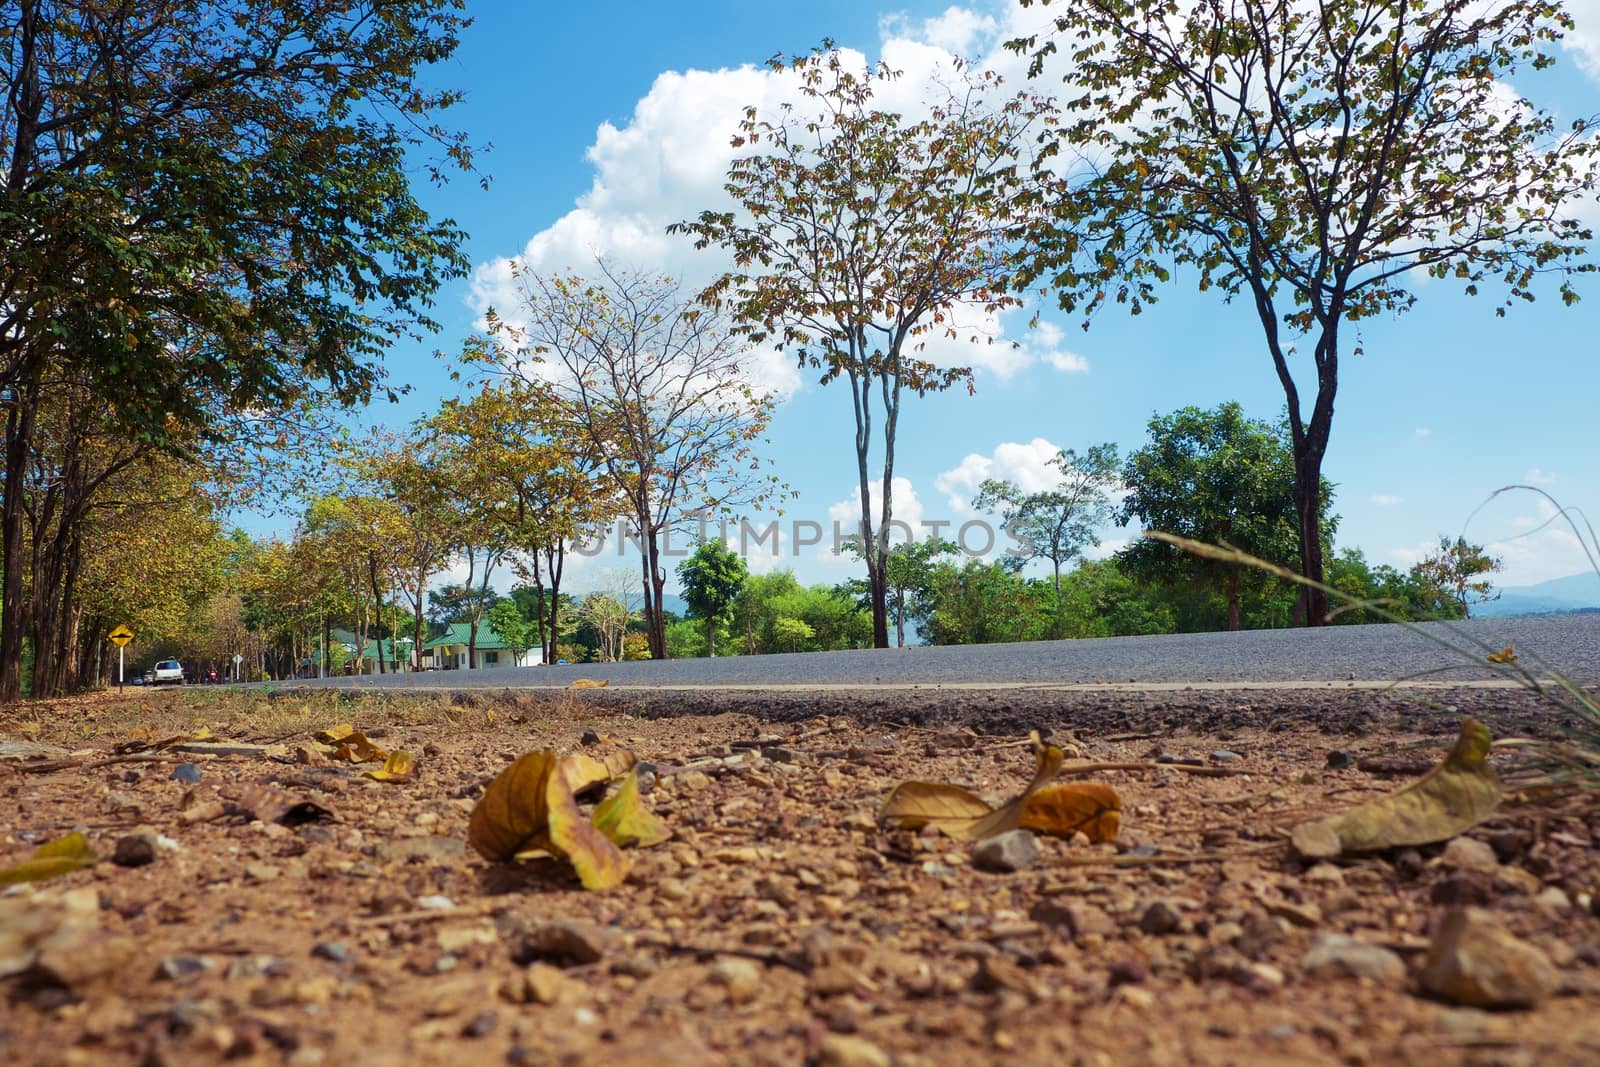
781,924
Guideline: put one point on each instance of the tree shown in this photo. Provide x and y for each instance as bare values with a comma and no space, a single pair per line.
651,382
1454,576
533,474
860,232
1057,524
1213,476
981,603
206,208
507,620
712,577
1315,158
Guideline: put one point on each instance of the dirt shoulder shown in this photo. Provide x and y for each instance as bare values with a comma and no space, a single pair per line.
780,924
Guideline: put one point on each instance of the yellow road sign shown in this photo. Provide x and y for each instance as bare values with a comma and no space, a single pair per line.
120,636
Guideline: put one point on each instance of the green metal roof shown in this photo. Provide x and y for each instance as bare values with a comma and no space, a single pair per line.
457,635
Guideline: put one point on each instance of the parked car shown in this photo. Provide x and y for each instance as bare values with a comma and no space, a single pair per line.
168,671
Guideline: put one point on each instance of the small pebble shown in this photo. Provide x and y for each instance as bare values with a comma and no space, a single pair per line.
337,951
186,772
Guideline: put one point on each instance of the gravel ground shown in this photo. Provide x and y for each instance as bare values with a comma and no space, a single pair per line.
781,923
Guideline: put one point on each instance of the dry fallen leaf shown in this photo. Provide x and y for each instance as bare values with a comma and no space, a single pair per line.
913,805
61,856
397,768
355,748
586,772
529,810
1456,795
625,820
1067,808
334,734
268,803
590,683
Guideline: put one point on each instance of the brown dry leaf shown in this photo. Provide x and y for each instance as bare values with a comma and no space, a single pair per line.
334,734
586,772
529,809
1456,795
61,856
590,683
1067,808
269,803
355,748
397,768
625,820
913,805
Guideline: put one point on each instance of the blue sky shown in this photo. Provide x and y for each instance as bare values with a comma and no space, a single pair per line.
608,121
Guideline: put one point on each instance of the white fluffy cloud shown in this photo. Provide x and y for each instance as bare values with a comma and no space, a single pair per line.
669,161
1384,500
1025,464
1584,40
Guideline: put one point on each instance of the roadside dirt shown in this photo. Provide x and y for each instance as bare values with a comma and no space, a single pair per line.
780,924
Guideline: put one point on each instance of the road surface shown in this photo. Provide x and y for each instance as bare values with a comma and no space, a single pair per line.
1340,655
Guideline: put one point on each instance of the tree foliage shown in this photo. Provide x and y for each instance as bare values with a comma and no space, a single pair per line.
712,577
1314,159
858,233
1213,476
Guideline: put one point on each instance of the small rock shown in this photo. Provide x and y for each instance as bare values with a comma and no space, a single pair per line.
782,754
1014,850
481,1025
1308,916
1465,888
646,773
1222,755
672,889
1474,960
435,903
1126,972
740,977
337,951
186,772
544,984
831,980
693,781
1339,759
566,942
1408,863
1516,879
843,1050
1554,898
1509,844
1469,853
1280,1032
137,849
589,737
177,968
1342,955
263,872
1160,918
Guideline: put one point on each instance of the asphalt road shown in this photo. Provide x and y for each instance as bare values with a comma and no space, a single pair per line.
1334,654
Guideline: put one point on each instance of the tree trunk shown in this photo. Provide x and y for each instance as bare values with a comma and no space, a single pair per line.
1233,598
1308,508
377,598
13,608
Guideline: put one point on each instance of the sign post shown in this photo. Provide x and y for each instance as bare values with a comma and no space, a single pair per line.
237,659
120,637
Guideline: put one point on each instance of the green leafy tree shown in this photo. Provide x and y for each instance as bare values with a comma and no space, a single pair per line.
1212,476
982,603
516,632
1100,599
712,577
859,233
207,210
1057,524
1456,575
1315,159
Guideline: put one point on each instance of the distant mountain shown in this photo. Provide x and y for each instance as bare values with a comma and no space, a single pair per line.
1577,592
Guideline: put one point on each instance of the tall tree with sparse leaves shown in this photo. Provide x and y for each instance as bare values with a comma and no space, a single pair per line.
1316,159
859,233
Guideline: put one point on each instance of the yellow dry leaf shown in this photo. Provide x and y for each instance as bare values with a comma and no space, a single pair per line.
397,768
141,733
1454,796
355,748
625,820
529,806
912,805
61,856
590,683
202,734
1067,808
586,772
334,734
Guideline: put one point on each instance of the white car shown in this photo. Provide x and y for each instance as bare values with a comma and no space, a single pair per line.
168,670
